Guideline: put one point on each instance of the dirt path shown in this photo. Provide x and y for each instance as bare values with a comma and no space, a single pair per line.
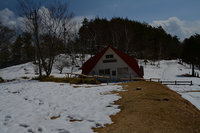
154,109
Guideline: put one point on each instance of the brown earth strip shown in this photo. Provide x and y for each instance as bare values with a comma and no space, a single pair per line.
153,109
190,91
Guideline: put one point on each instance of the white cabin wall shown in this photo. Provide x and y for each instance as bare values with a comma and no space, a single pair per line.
112,65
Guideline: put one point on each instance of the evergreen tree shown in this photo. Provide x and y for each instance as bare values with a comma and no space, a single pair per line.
4,56
190,52
6,37
28,48
137,39
17,51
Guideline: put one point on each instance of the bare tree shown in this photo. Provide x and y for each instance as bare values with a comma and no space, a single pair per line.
29,11
47,23
61,63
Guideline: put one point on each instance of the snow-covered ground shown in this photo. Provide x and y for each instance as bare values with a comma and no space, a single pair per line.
28,106
47,107
171,70
29,69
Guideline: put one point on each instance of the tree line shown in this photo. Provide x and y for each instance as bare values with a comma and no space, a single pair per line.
190,52
137,39
15,52
134,38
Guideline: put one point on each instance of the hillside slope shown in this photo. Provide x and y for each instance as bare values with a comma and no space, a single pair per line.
155,109
32,106
172,70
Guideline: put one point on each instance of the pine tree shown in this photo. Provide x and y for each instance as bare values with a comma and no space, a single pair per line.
6,36
4,56
17,51
28,49
190,52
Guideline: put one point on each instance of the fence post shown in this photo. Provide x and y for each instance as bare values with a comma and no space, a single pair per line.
175,82
191,82
82,79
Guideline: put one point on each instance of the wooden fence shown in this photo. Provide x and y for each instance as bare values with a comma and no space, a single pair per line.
82,76
172,82
107,79
165,82
131,79
176,82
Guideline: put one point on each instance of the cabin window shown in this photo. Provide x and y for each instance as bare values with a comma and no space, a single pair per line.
109,56
107,71
109,61
113,73
101,72
122,70
104,72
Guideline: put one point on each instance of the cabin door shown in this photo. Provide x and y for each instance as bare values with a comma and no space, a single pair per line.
113,74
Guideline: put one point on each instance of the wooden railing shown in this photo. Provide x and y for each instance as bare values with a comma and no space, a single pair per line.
165,82
153,79
131,79
176,82
107,79
82,76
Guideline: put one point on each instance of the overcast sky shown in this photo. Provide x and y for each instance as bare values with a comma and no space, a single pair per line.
177,17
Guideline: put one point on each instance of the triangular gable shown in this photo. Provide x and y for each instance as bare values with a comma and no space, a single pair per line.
90,64
129,60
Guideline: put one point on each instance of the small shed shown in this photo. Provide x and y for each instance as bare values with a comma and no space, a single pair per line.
113,63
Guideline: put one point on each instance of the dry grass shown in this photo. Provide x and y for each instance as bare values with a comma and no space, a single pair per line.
71,119
148,111
25,77
189,75
88,86
191,91
14,92
1,80
73,80
55,117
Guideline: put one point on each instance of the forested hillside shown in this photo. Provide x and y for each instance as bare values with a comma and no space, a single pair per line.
137,39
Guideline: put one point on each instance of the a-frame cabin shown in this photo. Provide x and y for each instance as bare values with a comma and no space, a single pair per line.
113,63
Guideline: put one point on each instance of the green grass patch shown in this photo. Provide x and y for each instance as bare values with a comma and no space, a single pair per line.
73,80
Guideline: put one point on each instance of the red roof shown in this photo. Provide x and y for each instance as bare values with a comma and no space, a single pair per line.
132,63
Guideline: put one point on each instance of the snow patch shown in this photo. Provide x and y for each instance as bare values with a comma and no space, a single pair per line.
76,109
172,70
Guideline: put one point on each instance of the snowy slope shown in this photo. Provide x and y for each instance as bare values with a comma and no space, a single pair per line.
18,71
28,69
171,70
47,107
28,106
